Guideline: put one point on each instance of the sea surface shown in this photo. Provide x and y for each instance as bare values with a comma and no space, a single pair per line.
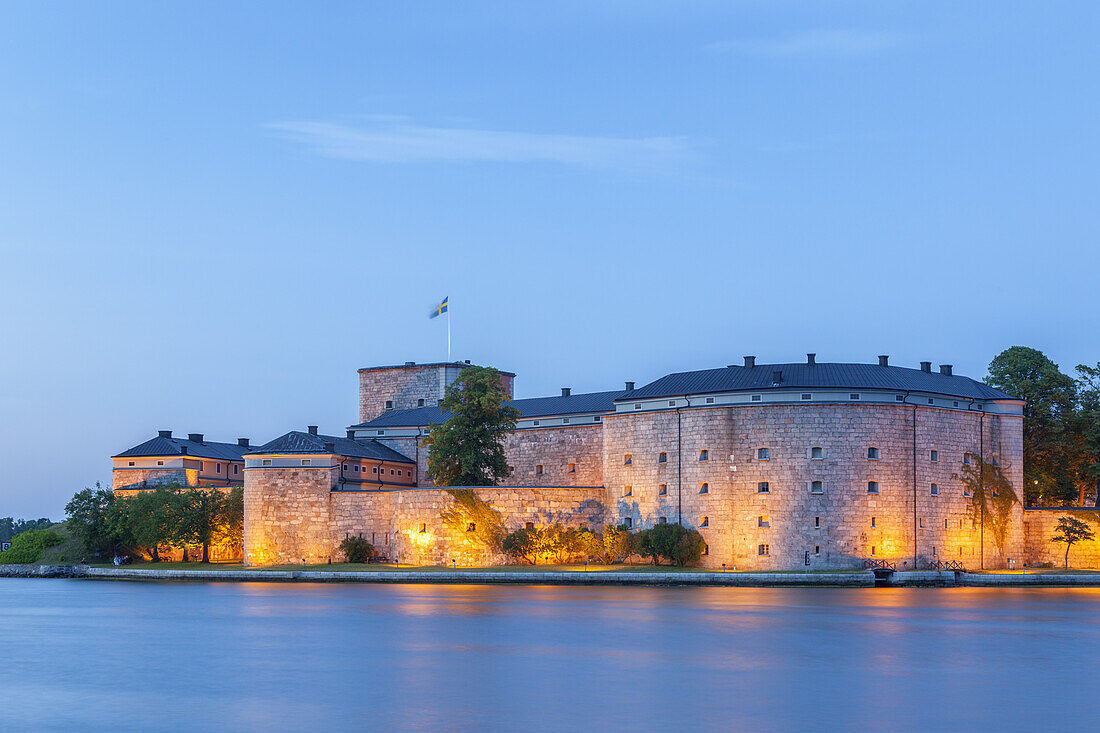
80,655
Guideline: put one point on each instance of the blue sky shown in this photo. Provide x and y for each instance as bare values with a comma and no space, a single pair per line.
212,214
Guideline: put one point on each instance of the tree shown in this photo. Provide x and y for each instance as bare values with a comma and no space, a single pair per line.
89,513
1071,531
474,518
356,549
522,545
155,519
1049,422
10,527
613,545
467,449
688,548
208,517
991,497
672,542
1088,420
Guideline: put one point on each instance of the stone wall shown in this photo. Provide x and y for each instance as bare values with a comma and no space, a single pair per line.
404,386
292,516
135,479
844,524
1040,525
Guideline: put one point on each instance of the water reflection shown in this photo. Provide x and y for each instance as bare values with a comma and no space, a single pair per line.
256,656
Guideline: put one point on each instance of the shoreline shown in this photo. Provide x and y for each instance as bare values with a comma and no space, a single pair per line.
853,579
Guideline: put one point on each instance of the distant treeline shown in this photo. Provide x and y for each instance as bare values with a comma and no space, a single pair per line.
10,527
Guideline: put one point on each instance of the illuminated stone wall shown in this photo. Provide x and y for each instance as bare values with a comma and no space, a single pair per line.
288,515
833,529
1041,524
139,478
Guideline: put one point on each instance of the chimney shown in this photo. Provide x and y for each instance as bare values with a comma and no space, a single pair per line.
630,386
811,359
883,360
777,377
312,429
164,433
565,391
243,442
945,369
195,437
926,366
750,362
351,434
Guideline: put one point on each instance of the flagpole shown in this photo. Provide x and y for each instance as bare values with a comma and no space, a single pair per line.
448,330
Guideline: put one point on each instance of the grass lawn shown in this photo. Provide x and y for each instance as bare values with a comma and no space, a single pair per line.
387,567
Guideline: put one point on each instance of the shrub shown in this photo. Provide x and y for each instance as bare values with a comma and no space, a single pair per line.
617,544
671,542
521,545
688,548
28,547
555,542
356,549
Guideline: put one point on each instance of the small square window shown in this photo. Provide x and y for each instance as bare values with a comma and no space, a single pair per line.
628,460
935,456
704,489
704,455
131,463
762,454
471,526
763,521
266,462
762,550
420,402
374,469
966,459
872,487
538,470
935,490
160,463
762,488
816,487
422,528
817,453
597,418
662,457
628,491
662,520
899,398
234,468
572,468
872,454
954,403
756,398
806,395
672,403
535,423
704,522
966,492
392,472
637,405
389,404
709,400
629,522
853,396
931,401
706,549
356,468
662,490
872,549
381,432
345,467
305,461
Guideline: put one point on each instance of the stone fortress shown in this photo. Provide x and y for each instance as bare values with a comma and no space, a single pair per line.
789,466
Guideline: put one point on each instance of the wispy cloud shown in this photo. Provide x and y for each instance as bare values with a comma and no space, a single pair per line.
390,139
815,43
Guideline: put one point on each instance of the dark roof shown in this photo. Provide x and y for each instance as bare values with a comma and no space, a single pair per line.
533,407
816,376
162,446
414,365
296,442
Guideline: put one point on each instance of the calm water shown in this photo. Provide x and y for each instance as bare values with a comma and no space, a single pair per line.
86,655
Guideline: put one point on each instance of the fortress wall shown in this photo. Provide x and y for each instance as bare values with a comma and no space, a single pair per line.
1040,525
554,449
404,385
844,538
287,515
139,478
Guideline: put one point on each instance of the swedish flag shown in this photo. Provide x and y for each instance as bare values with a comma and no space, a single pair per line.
439,309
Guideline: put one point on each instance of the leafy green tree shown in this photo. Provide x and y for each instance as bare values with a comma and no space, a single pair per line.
688,548
156,518
90,514
10,527
27,547
1050,443
1071,531
356,549
1088,414
467,449
208,517
522,545
671,542
616,543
